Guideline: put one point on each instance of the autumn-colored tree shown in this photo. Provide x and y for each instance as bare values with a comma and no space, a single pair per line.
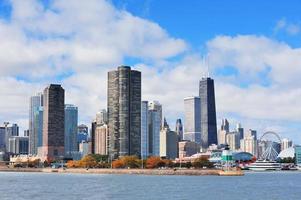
73,164
88,161
118,164
131,161
154,162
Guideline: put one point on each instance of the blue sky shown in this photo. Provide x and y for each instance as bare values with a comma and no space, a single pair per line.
254,50
199,21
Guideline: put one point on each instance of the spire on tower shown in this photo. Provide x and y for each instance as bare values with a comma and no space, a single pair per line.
205,62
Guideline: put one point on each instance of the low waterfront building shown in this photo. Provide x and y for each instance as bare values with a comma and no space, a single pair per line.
188,148
287,153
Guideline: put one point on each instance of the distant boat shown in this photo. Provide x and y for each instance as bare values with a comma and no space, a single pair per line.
264,165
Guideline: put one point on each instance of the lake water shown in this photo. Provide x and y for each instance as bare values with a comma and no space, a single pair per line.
253,186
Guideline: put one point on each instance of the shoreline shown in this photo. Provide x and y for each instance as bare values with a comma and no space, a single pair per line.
159,172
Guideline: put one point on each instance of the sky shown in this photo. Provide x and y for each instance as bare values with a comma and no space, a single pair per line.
254,50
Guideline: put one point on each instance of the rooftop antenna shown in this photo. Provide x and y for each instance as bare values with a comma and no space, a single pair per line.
208,66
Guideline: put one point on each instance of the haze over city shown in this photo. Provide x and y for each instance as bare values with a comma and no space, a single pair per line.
254,59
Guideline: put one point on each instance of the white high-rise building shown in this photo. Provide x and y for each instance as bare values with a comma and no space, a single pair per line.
221,137
249,144
232,139
168,143
102,117
286,143
192,127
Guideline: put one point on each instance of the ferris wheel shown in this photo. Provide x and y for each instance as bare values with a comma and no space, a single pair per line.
269,146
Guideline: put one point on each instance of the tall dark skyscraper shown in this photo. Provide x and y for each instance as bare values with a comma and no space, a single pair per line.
208,113
124,112
53,123
225,125
179,129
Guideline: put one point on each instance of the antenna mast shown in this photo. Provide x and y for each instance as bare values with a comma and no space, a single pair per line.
208,67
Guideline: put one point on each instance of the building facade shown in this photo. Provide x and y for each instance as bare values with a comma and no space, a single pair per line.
53,123
179,129
168,143
249,144
298,155
154,127
71,125
240,130
102,117
144,130
124,112
208,113
286,143
188,148
222,140
2,139
192,106
101,135
18,145
233,140
35,124
225,125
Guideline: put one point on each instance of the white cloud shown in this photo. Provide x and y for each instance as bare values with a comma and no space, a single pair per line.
289,28
253,55
71,38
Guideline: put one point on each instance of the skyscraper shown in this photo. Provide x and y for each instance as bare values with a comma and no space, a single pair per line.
144,130
154,127
2,139
71,125
179,129
208,113
240,130
11,131
38,129
101,135
192,119
155,105
286,143
102,117
124,112
18,145
168,143
53,123
225,125
35,126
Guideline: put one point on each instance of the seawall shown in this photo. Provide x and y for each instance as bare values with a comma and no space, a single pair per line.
184,172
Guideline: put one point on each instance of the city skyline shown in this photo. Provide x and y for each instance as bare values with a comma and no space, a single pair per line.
260,93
